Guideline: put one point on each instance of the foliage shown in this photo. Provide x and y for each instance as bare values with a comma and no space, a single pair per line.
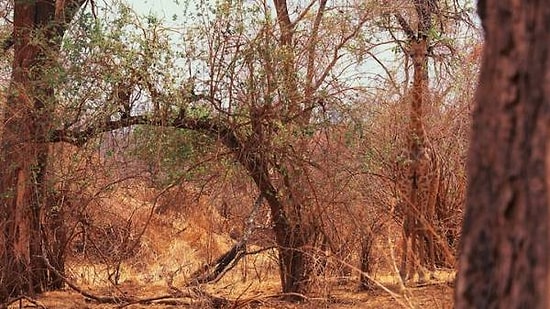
312,113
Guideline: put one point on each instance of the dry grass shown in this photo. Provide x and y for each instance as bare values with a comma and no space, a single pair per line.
263,296
175,245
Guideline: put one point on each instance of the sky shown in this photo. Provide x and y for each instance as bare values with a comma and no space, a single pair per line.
167,9
162,8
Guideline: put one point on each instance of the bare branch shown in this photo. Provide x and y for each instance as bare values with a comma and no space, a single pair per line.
385,68
311,48
405,26
284,22
336,53
304,12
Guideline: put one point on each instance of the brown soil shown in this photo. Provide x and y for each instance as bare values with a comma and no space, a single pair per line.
431,296
173,247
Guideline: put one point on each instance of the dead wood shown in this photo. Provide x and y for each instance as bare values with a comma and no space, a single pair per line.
35,302
182,298
214,271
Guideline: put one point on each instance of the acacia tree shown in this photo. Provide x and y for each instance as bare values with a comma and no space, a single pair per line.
264,93
505,245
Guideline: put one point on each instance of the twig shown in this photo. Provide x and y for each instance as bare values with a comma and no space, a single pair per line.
23,297
260,250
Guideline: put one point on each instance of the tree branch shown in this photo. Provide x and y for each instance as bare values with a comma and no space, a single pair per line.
385,68
405,26
79,138
208,126
304,12
284,22
336,52
311,48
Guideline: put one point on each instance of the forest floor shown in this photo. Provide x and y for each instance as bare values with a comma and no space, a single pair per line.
170,248
265,296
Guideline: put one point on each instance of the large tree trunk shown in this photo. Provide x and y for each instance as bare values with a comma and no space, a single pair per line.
24,159
367,244
38,29
293,265
290,238
504,257
293,258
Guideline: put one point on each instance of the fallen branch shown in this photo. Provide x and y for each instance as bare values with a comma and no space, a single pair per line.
20,299
213,272
123,301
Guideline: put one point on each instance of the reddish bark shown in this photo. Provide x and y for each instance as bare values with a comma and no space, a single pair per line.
38,28
504,256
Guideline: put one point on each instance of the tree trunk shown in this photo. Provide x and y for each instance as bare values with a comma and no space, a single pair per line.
23,152
290,238
504,257
292,265
365,283
293,260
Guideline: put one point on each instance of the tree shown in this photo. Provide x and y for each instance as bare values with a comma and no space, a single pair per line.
38,29
264,83
271,115
251,99
505,245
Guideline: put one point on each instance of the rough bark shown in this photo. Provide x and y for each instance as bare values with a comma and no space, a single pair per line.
38,28
365,283
504,257
290,238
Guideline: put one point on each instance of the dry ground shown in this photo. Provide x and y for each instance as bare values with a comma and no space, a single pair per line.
173,247
431,296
